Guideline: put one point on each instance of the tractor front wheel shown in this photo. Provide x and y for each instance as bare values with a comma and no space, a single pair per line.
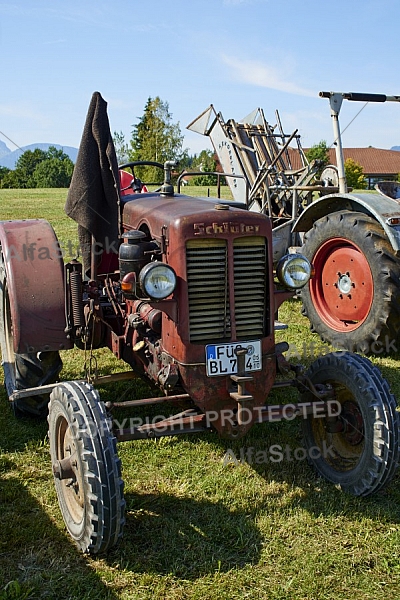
357,445
352,301
86,467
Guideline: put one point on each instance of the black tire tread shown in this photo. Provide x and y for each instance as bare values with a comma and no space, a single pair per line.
377,398
32,371
390,418
104,501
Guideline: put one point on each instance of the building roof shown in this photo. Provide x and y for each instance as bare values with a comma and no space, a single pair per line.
374,161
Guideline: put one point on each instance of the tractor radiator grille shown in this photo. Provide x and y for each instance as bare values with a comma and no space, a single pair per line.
211,315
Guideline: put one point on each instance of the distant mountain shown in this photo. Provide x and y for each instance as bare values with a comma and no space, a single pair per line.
4,150
8,159
395,148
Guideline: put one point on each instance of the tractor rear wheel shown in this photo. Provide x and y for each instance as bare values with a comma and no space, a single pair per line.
357,449
23,371
353,301
86,467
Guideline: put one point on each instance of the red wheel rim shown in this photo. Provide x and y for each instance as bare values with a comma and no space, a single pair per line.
342,289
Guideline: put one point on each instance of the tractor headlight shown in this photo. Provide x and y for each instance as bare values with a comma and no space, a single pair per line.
157,280
294,271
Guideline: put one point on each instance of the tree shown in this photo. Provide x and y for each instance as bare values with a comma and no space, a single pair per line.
53,173
355,177
155,138
121,147
205,161
3,173
38,168
59,154
319,152
14,180
27,163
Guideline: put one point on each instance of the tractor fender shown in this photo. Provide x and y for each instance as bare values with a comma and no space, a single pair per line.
379,207
35,281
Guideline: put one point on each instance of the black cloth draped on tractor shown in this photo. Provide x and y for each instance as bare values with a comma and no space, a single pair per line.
93,196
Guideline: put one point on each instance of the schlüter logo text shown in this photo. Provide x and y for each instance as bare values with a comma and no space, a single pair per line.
223,228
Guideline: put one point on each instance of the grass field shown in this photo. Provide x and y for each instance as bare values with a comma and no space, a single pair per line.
195,529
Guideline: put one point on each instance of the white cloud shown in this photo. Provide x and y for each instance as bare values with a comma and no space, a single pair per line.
263,75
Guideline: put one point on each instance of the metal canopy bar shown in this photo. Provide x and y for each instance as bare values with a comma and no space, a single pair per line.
361,97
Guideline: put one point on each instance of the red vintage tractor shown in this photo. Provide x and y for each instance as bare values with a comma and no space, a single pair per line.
187,297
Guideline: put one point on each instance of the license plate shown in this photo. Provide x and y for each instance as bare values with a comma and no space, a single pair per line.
221,359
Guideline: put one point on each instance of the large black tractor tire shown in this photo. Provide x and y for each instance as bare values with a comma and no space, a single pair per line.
357,449
353,301
86,467
22,371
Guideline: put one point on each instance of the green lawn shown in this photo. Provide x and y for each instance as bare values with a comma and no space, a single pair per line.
195,529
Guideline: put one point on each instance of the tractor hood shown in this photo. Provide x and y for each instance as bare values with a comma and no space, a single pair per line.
161,215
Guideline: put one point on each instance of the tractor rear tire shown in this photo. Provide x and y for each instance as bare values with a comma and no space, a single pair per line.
353,301
22,371
86,467
359,448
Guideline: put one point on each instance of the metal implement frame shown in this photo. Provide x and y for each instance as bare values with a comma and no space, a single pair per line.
260,152
257,153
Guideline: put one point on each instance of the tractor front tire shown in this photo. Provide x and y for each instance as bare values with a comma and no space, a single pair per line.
86,467
353,300
357,446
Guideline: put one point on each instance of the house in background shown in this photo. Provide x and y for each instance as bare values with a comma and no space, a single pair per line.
377,164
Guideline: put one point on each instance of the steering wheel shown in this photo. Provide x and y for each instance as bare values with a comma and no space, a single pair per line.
135,184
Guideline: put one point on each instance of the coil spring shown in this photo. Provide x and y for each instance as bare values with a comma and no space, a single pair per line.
75,281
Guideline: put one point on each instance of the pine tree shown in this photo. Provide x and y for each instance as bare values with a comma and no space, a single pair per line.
155,138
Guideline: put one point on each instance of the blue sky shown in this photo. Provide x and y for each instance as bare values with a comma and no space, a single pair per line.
235,54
